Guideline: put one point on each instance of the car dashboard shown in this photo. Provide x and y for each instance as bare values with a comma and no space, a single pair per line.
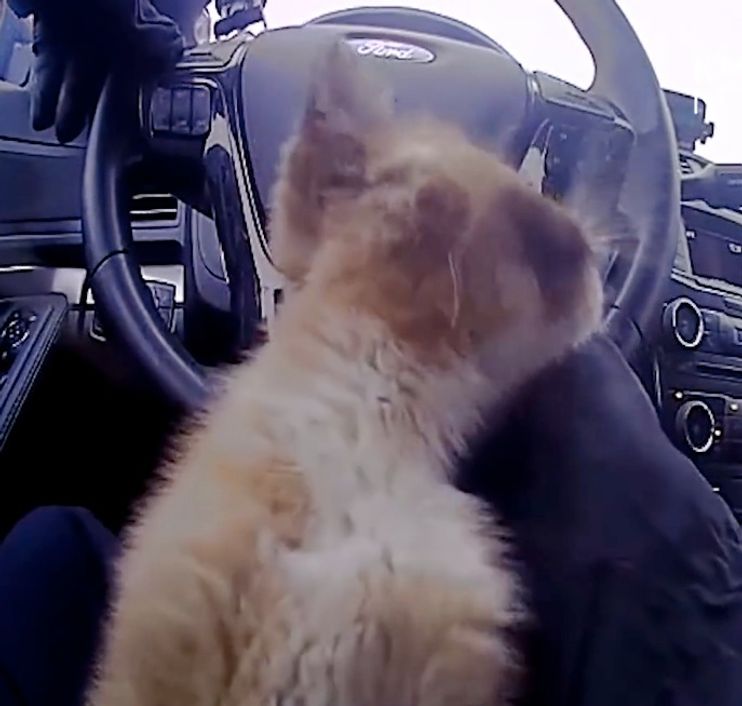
696,367
698,363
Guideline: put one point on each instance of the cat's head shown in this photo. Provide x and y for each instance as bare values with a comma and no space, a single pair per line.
403,217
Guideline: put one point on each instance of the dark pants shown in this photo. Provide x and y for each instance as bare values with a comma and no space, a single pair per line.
54,580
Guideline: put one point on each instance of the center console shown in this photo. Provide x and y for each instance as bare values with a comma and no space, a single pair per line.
698,371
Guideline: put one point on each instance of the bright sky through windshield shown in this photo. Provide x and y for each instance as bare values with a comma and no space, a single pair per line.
695,46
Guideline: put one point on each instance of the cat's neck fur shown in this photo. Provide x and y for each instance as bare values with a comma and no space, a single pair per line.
356,385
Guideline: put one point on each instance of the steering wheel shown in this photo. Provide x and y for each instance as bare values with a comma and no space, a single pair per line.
218,138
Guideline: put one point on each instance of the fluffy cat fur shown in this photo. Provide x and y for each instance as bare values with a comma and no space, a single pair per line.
307,547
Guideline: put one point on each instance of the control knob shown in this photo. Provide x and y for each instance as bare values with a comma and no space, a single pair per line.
695,424
683,323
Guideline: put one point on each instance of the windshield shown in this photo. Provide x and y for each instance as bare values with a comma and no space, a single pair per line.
694,46
15,37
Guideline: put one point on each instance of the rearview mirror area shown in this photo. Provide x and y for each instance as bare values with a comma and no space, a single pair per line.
689,118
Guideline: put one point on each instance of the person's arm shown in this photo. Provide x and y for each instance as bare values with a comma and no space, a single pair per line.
77,43
633,563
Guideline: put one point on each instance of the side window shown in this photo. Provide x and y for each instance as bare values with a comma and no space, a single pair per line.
15,46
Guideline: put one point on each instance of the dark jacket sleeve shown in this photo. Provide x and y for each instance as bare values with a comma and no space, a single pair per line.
632,564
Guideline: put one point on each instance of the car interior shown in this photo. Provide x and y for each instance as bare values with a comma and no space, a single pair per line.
135,261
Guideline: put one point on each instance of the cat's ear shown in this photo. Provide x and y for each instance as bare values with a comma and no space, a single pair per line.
328,155
441,212
552,244
346,96
346,100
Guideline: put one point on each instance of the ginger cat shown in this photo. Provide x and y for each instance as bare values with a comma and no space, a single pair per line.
306,547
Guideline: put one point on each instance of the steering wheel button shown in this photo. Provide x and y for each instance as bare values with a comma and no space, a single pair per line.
163,293
181,124
201,111
167,315
161,110
96,329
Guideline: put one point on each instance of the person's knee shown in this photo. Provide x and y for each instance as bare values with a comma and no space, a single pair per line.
54,587
52,517
50,523
59,535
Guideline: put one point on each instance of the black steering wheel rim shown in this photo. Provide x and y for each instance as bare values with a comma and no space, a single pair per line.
651,190
121,297
624,75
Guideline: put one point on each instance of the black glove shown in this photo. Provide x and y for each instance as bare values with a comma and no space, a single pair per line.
77,43
633,564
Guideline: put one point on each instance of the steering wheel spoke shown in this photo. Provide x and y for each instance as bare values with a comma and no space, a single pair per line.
254,282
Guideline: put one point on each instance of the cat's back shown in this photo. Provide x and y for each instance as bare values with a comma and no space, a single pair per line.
358,573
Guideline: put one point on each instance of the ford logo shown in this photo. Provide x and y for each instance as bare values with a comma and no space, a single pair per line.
387,49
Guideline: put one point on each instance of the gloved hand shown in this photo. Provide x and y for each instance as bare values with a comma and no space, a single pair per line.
633,564
77,43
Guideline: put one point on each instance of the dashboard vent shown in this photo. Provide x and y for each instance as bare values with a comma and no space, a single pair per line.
153,208
687,167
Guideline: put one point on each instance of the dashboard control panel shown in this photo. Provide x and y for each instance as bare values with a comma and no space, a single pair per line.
29,327
698,366
14,332
690,327
706,424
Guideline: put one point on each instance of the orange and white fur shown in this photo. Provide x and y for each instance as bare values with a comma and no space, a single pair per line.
307,547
